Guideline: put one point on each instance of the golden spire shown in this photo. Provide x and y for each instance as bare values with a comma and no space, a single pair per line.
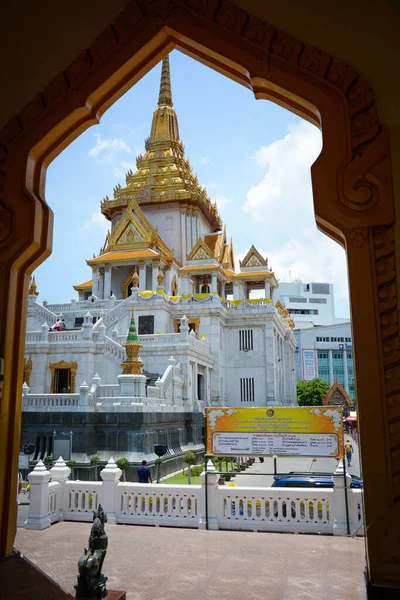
33,288
164,127
165,95
135,279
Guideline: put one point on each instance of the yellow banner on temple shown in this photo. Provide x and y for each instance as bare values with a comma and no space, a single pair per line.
281,431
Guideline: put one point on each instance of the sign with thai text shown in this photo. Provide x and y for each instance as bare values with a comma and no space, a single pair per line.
298,431
309,364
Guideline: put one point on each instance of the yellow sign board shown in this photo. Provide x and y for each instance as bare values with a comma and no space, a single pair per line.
297,431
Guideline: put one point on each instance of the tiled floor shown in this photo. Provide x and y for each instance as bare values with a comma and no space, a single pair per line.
184,564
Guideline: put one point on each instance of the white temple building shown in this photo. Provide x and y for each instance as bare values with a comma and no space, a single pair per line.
205,339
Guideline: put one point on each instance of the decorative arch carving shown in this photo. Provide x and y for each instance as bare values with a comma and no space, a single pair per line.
352,183
62,364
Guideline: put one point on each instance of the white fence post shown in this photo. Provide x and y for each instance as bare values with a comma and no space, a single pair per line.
110,476
38,515
60,472
339,500
208,502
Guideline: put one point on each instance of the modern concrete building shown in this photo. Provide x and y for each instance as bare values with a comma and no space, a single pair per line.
327,353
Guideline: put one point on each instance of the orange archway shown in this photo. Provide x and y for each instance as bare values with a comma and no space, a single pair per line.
353,202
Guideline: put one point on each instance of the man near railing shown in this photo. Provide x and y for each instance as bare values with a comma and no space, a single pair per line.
144,473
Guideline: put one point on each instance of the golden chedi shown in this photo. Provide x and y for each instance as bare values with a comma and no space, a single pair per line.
132,365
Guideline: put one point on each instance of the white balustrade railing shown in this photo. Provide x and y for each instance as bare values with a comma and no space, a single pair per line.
50,400
114,314
74,335
54,501
108,390
115,350
33,336
275,509
43,314
167,505
80,499
294,510
163,339
58,308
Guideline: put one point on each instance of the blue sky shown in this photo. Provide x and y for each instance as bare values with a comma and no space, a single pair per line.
253,156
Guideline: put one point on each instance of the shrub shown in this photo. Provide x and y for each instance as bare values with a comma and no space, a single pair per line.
190,459
48,460
197,470
123,463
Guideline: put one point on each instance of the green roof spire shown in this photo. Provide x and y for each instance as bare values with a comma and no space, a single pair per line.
132,335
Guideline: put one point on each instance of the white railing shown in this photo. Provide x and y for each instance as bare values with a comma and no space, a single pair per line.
65,336
33,336
275,509
113,314
58,308
108,390
114,349
43,314
167,505
53,501
50,400
293,510
164,339
80,499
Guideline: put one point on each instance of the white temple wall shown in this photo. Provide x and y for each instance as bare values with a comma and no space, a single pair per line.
168,220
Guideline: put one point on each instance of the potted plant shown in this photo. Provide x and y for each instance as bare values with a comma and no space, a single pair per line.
48,461
123,463
190,459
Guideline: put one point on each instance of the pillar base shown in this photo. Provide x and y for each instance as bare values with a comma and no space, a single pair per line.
380,592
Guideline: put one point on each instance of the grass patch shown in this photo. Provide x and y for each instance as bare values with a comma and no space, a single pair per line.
181,480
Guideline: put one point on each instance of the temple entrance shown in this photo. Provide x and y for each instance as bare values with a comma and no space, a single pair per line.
362,222
62,381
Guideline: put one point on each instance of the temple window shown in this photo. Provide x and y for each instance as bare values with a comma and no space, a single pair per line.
146,325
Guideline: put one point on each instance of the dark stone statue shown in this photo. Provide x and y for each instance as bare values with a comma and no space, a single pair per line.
91,581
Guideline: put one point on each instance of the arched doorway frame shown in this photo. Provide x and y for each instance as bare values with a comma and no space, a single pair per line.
353,201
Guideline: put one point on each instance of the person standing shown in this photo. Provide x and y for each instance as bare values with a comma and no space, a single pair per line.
19,487
144,473
349,452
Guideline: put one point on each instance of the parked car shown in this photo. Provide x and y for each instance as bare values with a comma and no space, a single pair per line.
313,480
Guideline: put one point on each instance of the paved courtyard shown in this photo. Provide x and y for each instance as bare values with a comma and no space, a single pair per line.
182,564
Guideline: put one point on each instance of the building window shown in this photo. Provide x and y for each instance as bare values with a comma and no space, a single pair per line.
338,366
247,389
299,299
301,311
246,339
146,325
348,339
320,288
317,300
323,365
78,321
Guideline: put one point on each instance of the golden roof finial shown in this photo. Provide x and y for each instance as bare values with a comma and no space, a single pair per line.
165,95
32,287
135,279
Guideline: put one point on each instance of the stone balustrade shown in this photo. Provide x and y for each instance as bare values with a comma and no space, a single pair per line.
53,401
291,510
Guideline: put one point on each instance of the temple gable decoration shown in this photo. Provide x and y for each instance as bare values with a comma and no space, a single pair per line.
337,396
253,258
133,231
200,251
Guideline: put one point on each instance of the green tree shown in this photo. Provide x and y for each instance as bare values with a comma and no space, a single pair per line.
48,461
123,463
311,393
190,459
94,460
71,464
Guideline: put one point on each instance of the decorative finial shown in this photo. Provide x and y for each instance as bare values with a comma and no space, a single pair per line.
160,276
135,279
32,287
165,95
132,365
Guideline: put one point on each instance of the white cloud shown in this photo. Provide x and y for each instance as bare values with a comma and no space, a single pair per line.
96,221
137,129
282,201
222,201
211,186
206,160
125,166
106,149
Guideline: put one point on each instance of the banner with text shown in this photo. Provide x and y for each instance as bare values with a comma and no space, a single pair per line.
298,431
309,364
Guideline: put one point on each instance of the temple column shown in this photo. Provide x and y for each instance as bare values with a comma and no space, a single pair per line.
267,288
330,366
185,284
214,287
107,282
183,236
154,277
235,290
142,275
167,280
95,279
346,375
241,290
188,232
194,238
